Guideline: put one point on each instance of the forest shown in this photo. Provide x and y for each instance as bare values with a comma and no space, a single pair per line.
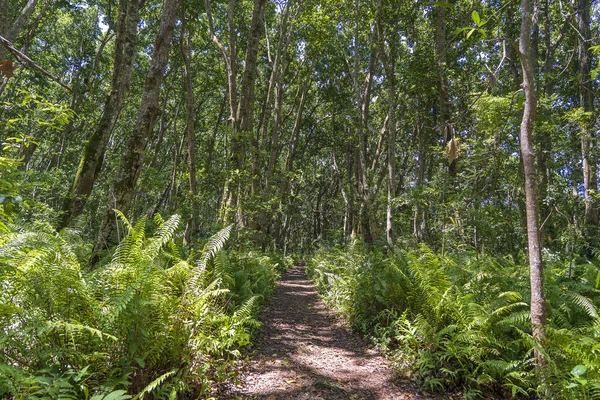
433,164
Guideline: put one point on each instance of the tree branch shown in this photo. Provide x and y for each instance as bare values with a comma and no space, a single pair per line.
22,57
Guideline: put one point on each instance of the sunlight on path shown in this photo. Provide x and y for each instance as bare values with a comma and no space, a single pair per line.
305,353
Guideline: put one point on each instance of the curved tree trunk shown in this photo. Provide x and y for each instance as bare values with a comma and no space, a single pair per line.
93,156
128,172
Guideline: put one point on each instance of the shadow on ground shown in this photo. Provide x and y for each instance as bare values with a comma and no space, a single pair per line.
305,353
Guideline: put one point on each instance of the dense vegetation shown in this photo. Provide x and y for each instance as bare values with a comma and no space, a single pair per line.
435,162
461,321
148,322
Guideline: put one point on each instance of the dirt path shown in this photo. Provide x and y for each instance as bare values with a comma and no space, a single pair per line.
305,353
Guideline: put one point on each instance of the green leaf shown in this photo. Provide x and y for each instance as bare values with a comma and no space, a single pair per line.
476,18
579,370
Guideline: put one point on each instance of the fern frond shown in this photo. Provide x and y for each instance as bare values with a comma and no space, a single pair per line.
247,309
129,251
214,245
73,329
163,235
584,303
152,386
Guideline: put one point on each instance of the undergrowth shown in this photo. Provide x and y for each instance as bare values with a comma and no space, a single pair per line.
150,323
462,321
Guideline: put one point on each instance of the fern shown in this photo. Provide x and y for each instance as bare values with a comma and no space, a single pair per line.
152,386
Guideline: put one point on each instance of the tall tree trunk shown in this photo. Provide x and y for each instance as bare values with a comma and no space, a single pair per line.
186,52
363,99
229,56
276,84
538,301
390,75
420,216
128,172
242,112
289,167
245,111
586,94
446,128
93,156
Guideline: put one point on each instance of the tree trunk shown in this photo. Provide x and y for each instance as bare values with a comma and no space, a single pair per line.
245,112
128,172
390,75
93,156
242,113
420,215
586,95
276,83
446,128
285,188
186,52
538,302
363,100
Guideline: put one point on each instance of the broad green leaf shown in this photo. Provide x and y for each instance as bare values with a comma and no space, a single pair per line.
476,18
579,370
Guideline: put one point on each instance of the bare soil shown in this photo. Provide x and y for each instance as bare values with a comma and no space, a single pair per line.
304,352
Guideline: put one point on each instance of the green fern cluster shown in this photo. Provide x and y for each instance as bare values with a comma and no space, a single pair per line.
462,321
146,323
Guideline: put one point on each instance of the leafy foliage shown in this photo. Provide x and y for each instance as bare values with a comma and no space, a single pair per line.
462,320
146,323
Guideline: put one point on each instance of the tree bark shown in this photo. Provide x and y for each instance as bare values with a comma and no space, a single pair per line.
242,112
276,83
538,301
586,95
245,114
363,99
128,172
93,156
390,75
211,144
186,53
446,128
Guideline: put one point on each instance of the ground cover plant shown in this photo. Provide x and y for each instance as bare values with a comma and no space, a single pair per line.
462,320
148,323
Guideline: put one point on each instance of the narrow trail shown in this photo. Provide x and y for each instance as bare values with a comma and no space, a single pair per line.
305,353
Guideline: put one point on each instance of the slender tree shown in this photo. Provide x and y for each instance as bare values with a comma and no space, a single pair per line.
186,52
390,75
10,30
538,301
586,96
